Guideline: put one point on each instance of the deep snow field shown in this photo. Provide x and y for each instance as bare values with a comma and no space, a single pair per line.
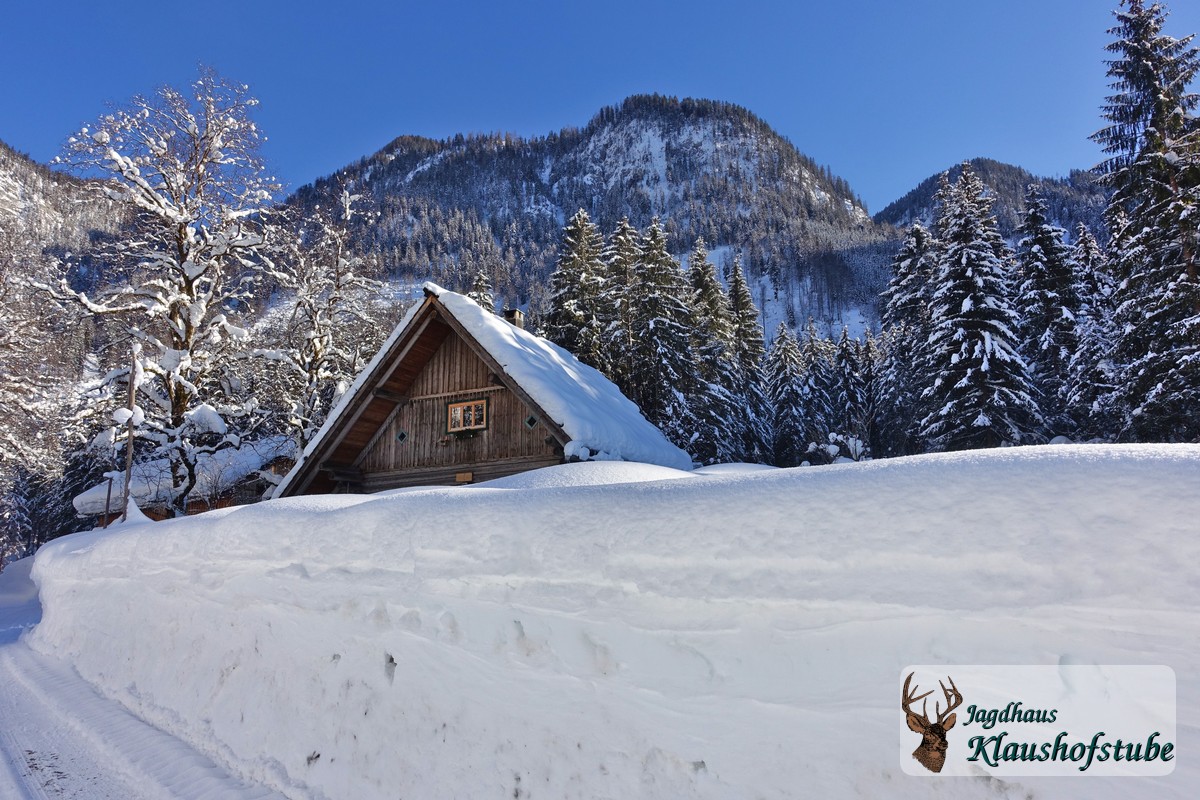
612,630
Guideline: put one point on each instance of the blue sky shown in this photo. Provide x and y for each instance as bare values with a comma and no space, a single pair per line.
885,93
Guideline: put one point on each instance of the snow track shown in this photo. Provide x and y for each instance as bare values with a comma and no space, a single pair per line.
59,738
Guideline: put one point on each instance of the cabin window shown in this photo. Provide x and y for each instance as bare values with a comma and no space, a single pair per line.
471,415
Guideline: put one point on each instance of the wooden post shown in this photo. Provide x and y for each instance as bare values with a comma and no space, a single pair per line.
133,354
107,503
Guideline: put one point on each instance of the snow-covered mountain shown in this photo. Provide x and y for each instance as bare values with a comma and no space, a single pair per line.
444,209
705,168
44,212
1078,198
50,210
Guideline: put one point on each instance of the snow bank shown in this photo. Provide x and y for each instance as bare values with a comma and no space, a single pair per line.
733,635
585,473
19,608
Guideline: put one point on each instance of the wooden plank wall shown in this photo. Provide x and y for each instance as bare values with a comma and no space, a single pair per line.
454,374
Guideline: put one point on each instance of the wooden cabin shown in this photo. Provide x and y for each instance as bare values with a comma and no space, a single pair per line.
458,395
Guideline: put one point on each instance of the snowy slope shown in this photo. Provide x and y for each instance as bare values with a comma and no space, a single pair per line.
723,635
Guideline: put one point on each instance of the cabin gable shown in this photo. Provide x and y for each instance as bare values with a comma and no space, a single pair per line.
415,445
457,395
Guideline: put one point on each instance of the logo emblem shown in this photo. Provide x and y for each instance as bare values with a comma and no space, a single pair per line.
932,751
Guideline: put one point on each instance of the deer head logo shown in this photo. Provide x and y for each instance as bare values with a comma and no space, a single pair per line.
932,751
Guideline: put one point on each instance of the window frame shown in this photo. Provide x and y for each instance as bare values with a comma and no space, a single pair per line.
473,404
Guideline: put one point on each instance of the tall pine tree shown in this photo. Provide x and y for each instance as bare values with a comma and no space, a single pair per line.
980,395
851,400
748,351
1153,167
720,406
818,387
574,320
618,304
784,376
905,318
1049,306
1092,376
665,380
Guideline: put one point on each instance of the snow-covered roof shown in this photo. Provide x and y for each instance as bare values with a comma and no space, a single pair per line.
603,423
215,473
599,421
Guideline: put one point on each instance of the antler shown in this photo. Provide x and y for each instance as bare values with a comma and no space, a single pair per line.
954,699
911,697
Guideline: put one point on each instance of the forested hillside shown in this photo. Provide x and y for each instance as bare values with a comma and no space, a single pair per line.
45,210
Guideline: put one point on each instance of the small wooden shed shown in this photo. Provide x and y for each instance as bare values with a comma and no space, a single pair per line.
459,395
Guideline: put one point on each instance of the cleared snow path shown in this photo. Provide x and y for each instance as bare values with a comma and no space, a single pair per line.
59,738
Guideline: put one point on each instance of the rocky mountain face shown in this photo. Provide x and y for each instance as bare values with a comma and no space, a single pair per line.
1078,198
48,213
705,168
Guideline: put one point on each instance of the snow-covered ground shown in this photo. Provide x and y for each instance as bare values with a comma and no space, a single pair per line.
616,630
59,738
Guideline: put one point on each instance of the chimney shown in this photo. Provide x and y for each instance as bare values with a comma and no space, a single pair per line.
515,316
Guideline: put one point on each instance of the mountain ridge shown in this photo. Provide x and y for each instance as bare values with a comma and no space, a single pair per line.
705,168
1078,198
447,208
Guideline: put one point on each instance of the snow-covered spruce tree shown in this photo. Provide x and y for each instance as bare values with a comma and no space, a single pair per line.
573,321
1153,167
748,351
785,374
481,291
870,365
1092,375
665,381
905,318
617,303
906,299
818,387
188,165
851,401
980,393
719,406
712,324
1048,307
1094,283
331,319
